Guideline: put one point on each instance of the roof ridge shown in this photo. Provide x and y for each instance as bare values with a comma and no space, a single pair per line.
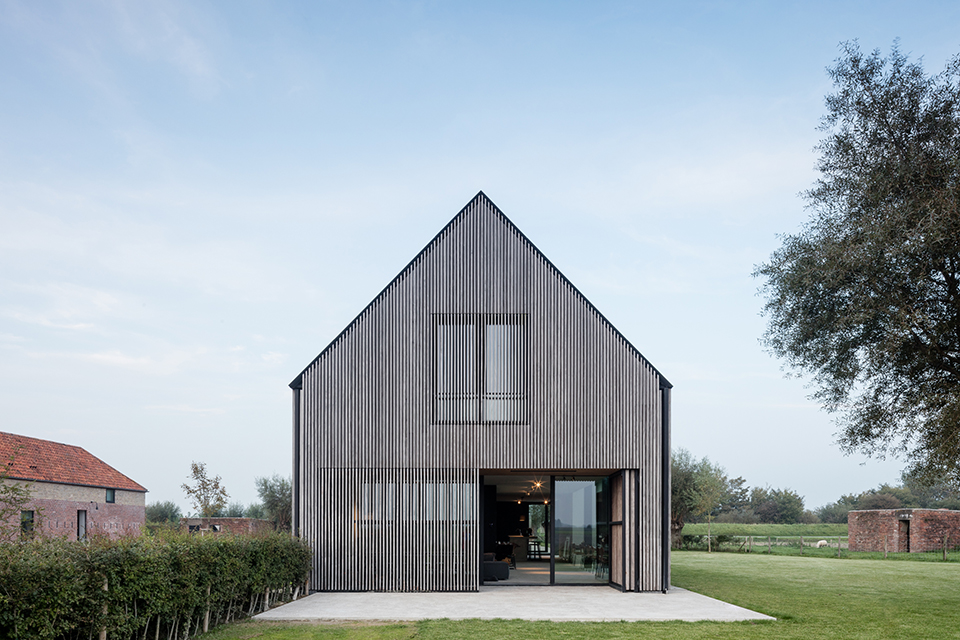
478,198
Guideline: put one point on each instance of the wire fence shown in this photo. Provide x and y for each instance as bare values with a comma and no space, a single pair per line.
814,546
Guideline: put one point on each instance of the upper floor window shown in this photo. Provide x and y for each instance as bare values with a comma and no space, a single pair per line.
111,495
481,362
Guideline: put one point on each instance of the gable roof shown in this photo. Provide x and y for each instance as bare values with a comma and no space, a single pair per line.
480,198
44,461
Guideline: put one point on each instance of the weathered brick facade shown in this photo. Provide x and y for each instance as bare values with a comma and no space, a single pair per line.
239,526
59,517
903,530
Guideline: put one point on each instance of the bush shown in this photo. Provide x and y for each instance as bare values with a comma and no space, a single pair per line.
54,589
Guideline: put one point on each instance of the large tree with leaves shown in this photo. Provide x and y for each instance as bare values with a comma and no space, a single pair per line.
276,496
866,297
697,490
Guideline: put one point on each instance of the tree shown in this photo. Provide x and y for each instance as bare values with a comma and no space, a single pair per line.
14,496
698,487
234,510
931,493
163,512
836,512
711,486
682,468
207,495
879,500
276,496
866,297
777,506
255,510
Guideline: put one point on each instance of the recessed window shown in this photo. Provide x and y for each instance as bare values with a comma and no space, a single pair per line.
111,495
481,368
26,522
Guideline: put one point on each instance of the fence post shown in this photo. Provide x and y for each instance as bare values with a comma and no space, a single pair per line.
884,546
946,536
838,546
769,548
801,545
206,616
103,629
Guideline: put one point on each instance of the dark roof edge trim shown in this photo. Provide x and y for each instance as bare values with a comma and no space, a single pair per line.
297,382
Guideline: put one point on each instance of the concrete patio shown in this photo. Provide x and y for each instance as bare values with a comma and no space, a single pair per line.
526,603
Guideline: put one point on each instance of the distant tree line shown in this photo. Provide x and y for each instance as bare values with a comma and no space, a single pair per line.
913,492
209,499
703,492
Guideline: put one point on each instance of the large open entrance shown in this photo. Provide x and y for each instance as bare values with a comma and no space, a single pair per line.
542,528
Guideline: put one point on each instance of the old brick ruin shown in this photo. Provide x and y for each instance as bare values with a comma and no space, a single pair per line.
236,526
904,530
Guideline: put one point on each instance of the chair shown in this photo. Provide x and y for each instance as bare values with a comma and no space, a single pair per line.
534,549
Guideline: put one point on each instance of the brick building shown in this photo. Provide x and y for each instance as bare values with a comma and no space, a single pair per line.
236,526
904,530
73,492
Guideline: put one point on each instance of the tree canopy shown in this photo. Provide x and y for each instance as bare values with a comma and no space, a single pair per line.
208,495
276,495
866,297
163,512
702,490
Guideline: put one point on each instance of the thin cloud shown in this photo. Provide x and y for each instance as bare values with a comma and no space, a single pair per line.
184,408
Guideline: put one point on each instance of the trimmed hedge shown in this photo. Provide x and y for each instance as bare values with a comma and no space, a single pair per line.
143,587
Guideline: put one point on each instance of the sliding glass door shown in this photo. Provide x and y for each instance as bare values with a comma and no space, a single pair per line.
581,530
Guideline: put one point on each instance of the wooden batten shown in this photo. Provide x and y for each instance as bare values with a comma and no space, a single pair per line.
479,355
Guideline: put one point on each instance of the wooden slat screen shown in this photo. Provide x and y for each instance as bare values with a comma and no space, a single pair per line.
371,402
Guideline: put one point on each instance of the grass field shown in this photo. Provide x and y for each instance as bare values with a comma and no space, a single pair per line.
811,597
733,529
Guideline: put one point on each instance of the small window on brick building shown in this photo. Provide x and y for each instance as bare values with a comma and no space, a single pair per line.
111,495
26,522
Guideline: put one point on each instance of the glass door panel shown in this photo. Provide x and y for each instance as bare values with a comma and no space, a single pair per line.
582,530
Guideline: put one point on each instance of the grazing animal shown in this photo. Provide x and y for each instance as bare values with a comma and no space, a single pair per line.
822,543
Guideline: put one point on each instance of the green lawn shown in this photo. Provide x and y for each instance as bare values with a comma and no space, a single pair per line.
812,597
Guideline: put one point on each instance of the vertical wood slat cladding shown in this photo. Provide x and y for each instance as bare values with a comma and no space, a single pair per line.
368,410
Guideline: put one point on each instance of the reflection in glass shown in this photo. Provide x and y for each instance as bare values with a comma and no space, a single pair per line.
582,508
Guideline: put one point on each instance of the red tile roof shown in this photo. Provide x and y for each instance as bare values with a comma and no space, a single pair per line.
45,461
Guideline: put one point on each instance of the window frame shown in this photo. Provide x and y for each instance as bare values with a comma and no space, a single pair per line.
111,496
28,521
479,393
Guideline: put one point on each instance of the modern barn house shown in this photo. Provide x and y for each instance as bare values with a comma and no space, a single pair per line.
481,422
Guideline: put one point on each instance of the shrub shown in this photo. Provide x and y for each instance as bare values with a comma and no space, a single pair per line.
165,584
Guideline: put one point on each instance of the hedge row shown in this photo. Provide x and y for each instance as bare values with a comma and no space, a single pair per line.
144,587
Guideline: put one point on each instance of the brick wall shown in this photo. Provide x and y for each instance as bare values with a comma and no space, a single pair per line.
77,493
914,530
56,507
59,518
239,526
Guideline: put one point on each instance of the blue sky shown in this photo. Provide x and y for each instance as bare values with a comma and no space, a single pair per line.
195,198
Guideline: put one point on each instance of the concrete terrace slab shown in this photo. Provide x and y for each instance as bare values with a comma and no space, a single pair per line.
525,603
